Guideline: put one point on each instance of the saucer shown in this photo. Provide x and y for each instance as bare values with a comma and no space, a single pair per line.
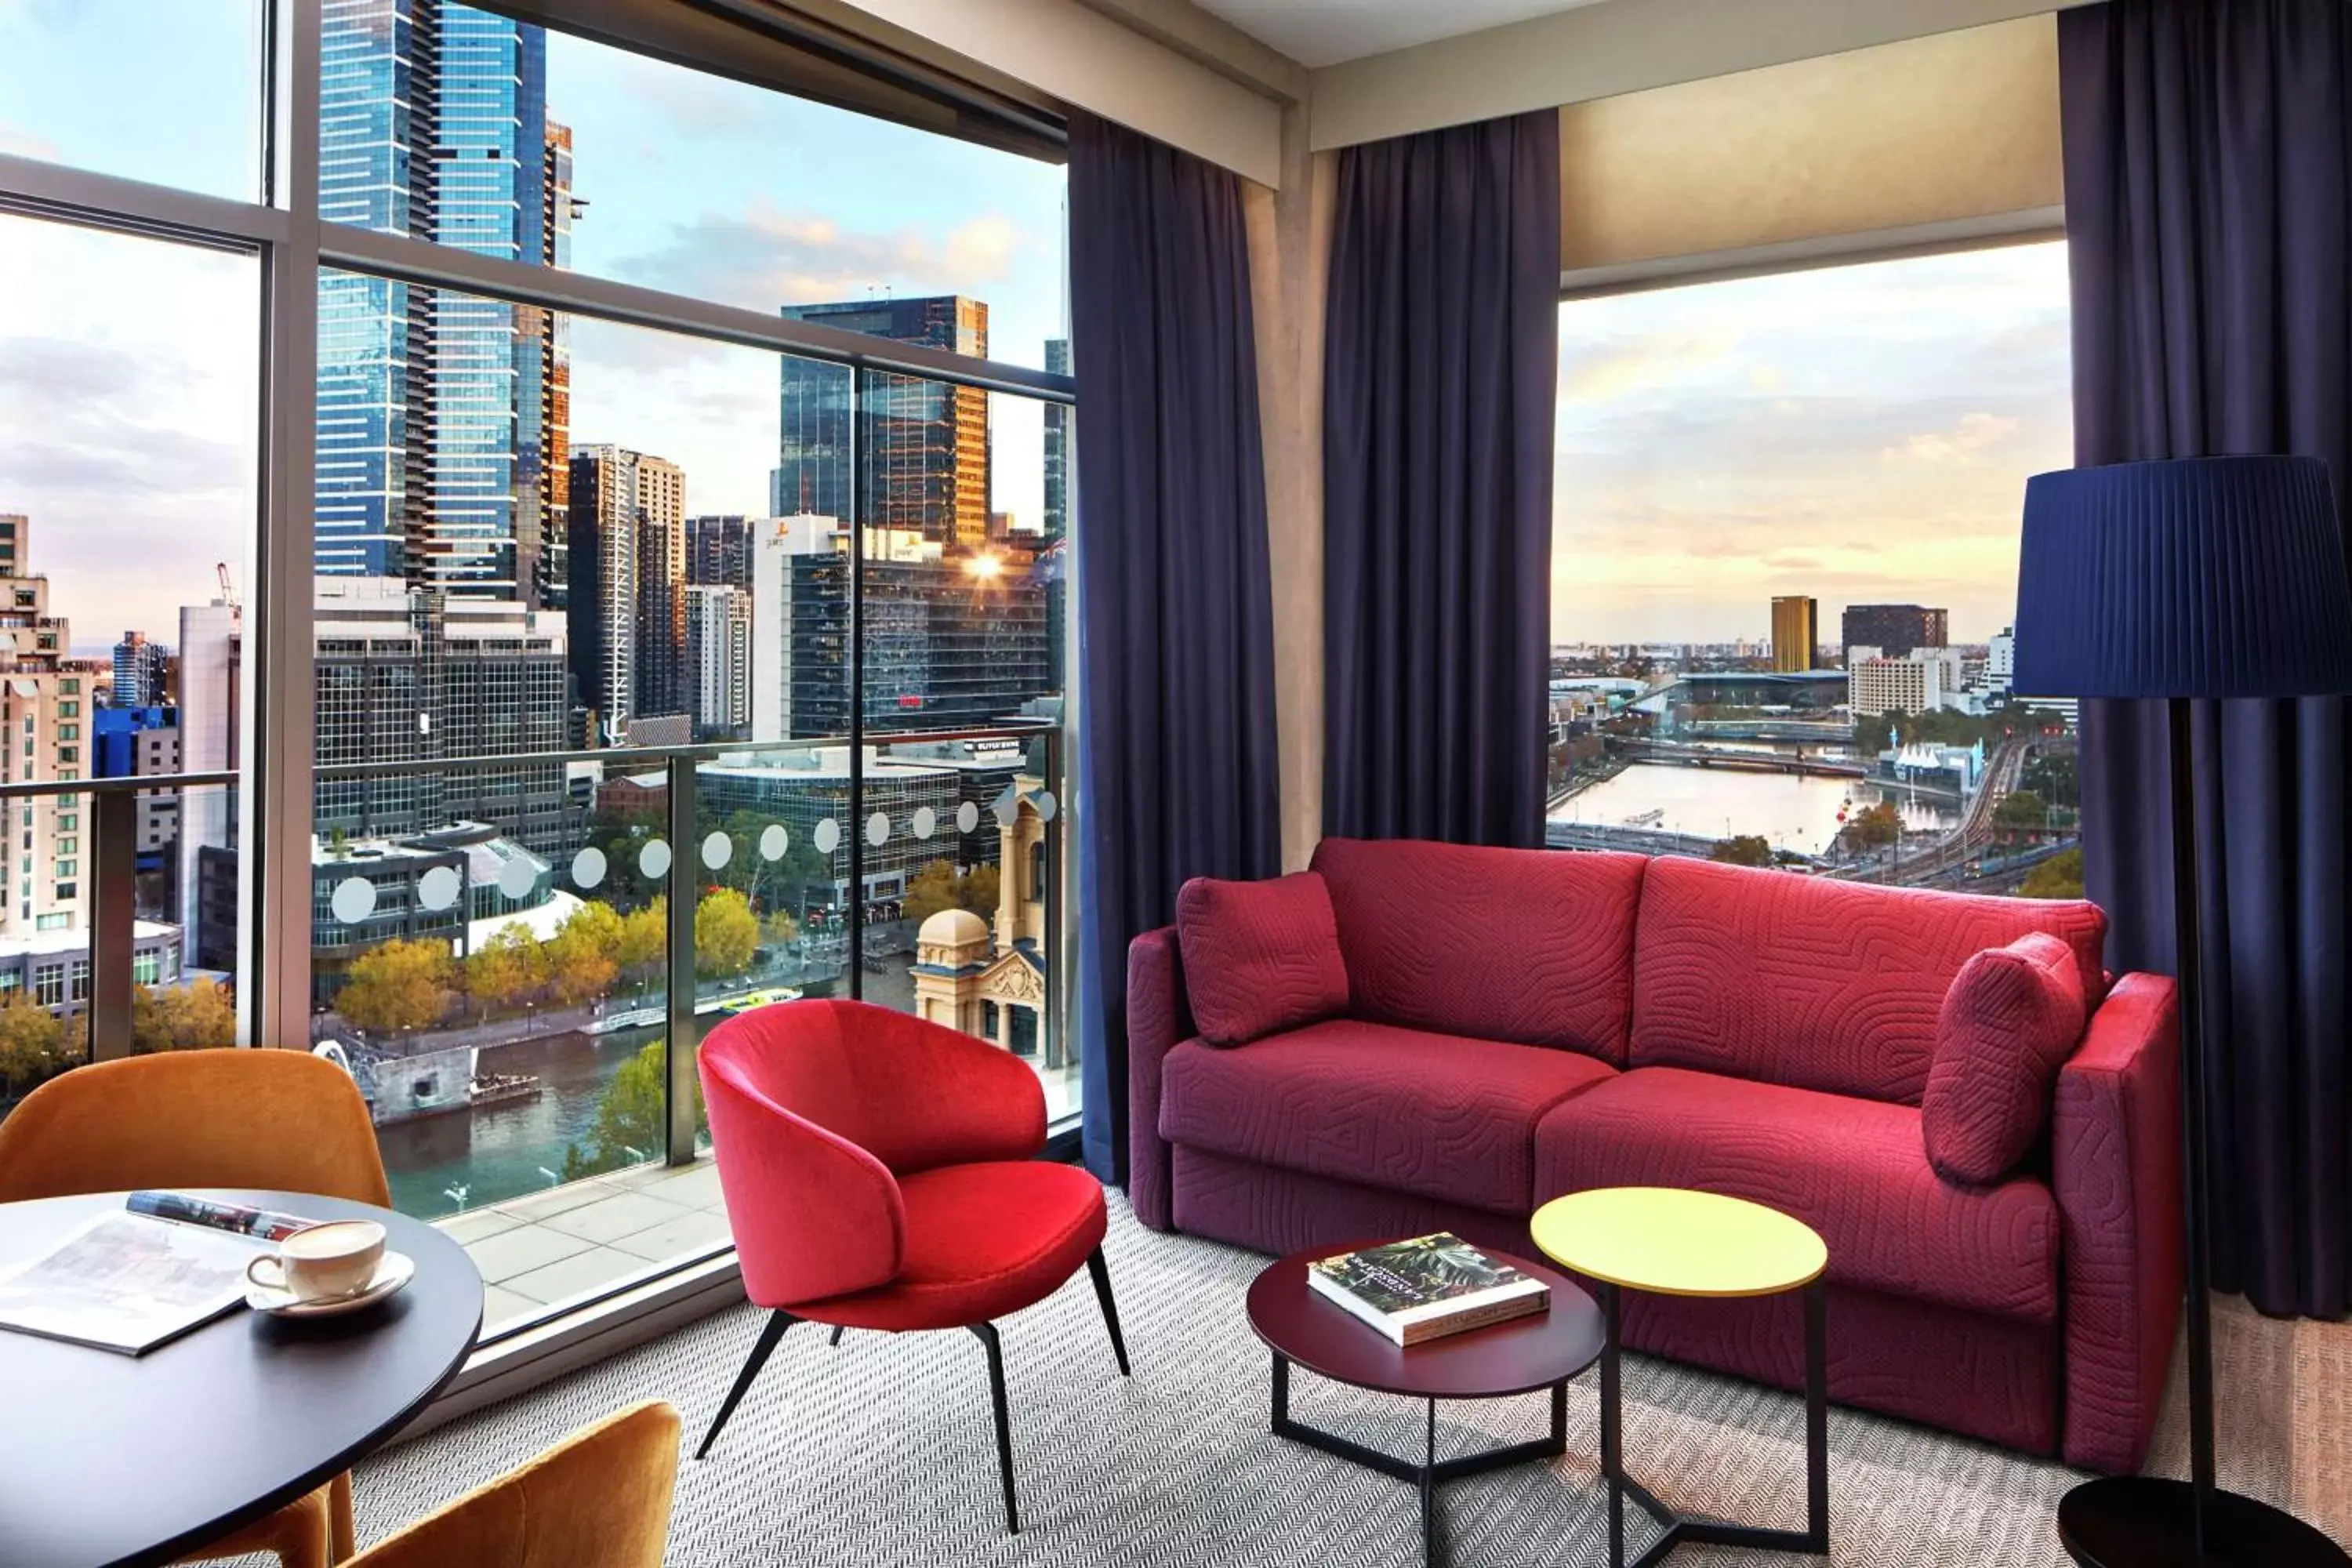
393,1271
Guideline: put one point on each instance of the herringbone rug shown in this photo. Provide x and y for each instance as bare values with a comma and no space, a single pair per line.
881,1452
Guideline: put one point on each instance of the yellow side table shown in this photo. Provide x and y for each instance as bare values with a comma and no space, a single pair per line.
1672,1242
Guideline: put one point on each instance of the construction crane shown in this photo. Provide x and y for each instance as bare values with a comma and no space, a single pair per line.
227,587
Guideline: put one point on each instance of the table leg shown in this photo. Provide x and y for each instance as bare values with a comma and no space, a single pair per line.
1281,1391
1817,1415
1613,1459
1429,1549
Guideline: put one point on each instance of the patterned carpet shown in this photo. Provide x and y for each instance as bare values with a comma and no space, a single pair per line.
881,1452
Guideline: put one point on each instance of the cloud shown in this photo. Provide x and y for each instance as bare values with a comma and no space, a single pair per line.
1962,444
20,144
1611,368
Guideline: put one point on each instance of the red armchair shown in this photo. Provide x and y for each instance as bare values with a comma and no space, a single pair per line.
880,1173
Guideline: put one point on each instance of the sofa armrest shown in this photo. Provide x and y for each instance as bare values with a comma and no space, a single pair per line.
2116,1171
1157,1018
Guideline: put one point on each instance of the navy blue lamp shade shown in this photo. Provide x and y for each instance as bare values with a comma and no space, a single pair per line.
2191,577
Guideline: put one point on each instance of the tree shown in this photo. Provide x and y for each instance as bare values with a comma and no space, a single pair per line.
198,1015
582,958
928,891
726,932
1874,827
2022,808
505,969
400,985
1743,849
978,889
2060,876
780,930
2055,776
32,1044
644,939
632,1124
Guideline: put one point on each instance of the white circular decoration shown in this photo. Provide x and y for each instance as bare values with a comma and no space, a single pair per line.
653,860
588,866
1008,810
877,829
354,900
717,850
926,823
517,877
439,888
967,817
1046,806
827,837
773,841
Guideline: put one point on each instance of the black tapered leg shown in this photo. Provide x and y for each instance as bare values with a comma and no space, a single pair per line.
988,1336
770,1332
1430,1555
1817,1415
835,1341
1613,1458
1101,1273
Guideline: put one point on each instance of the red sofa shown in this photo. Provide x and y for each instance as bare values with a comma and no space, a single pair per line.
1520,1024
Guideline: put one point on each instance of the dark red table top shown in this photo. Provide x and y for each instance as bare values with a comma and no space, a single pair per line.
1516,1357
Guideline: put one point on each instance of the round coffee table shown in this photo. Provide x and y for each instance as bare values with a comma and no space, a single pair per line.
1670,1242
1525,1355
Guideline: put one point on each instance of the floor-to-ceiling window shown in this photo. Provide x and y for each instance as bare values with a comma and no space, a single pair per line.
661,510
1784,566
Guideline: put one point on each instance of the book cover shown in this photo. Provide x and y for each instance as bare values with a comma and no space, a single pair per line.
128,1282
1427,1286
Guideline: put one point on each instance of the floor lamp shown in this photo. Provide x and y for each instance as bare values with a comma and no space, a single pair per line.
2202,577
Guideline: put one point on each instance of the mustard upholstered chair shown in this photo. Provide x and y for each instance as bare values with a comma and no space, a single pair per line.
283,1120
599,1498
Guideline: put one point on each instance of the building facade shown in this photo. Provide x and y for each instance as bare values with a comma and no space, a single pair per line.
719,653
1057,447
1918,682
141,672
1796,634
1895,630
627,614
718,549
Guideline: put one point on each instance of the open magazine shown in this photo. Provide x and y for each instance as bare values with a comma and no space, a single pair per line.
128,1282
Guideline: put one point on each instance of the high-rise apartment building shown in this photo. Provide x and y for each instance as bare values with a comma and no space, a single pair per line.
718,658
1920,682
1895,630
440,415
140,669
926,443
718,549
627,607
1796,633
1057,447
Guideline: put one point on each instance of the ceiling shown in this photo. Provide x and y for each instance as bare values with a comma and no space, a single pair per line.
1326,32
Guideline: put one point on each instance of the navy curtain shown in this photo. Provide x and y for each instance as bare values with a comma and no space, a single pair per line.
2207,180
1439,381
1176,652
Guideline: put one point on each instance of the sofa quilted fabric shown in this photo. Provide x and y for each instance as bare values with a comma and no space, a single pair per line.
1557,971
1856,1170
2012,1016
1817,983
1433,1115
1264,956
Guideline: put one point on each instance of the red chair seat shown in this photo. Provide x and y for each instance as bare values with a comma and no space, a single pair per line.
982,1240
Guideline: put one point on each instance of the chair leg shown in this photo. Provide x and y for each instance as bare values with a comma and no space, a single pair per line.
343,1540
835,1341
772,1331
988,1336
1101,1273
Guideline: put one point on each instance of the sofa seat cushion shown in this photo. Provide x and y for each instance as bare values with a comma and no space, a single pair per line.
1437,1116
1854,1170
1815,983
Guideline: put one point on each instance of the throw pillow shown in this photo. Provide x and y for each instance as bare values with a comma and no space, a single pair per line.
2011,1018
1259,957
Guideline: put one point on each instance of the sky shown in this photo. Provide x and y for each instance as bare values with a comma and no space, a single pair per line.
1856,434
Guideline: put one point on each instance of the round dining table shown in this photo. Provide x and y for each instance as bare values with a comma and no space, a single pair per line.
109,1460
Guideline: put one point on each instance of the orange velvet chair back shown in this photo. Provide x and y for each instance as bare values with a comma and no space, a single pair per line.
285,1120
599,1498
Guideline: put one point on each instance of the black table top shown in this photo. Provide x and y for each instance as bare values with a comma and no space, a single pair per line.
1515,1357
121,1460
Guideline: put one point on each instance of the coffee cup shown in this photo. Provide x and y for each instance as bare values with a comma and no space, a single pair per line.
322,1262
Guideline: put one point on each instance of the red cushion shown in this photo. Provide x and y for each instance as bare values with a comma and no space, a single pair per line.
1854,1170
1259,957
2012,1016
1433,1115
1814,982
982,1241
1531,946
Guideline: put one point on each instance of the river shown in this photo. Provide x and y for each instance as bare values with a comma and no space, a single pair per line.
1791,813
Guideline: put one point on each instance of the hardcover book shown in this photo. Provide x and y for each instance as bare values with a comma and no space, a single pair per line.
1427,1286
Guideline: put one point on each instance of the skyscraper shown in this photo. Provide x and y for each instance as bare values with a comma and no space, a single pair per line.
627,606
927,443
719,660
1895,630
718,551
140,666
1796,632
1057,447
438,412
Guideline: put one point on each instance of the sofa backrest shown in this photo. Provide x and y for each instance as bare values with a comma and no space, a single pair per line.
1530,945
1817,983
